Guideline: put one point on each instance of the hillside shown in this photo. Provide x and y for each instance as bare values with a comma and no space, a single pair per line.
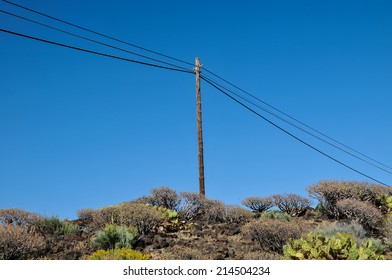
352,220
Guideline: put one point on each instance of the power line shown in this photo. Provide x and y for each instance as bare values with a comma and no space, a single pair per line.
290,134
91,40
94,52
97,33
298,127
300,122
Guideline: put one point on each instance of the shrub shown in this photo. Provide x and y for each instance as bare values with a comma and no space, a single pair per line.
353,228
385,203
328,193
235,214
292,204
362,212
194,205
271,235
342,246
218,212
119,254
114,237
17,217
165,197
258,204
86,215
55,226
17,243
144,217
170,216
275,215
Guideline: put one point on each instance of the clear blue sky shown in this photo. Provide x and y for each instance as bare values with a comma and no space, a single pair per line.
83,131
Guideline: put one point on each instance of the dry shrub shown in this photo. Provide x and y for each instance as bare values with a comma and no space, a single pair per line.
17,217
221,213
17,243
162,197
86,215
192,205
328,193
258,204
165,197
271,235
292,204
144,217
236,214
362,212
195,206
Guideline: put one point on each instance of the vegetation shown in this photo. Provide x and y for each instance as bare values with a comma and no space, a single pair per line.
352,220
114,237
55,226
363,212
341,246
258,204
276,215
119,254
271,235
292,204
144,217
17,243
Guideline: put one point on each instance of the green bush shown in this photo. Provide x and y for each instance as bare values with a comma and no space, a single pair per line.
170,216
55,226
114,237
385,203
275,215
353,227
119,254
342,246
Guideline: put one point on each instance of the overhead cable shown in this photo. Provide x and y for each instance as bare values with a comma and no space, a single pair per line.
300,122
96,33
91,40
290,134
296,126
94,52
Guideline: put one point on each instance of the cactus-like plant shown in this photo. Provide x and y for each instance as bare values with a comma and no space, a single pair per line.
341,246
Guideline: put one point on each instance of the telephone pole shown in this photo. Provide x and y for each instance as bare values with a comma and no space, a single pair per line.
199,128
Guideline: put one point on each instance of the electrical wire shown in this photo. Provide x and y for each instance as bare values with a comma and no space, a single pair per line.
296,126
300,122
94,52
289,133
97,33
91,40
182,69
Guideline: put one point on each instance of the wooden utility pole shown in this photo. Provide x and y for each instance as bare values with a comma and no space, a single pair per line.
199,128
